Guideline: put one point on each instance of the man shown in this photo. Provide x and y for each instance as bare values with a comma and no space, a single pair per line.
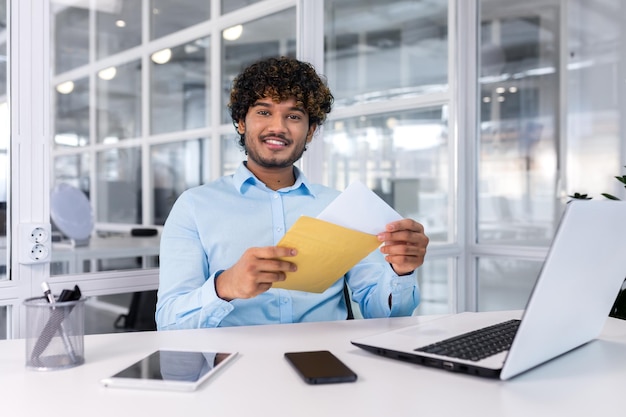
219,257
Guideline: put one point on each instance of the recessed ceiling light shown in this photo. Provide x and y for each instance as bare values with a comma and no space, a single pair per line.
120,23
161,57
391,122
107,73
66,87
232,33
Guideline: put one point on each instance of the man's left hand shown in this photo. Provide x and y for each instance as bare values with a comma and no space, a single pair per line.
404,245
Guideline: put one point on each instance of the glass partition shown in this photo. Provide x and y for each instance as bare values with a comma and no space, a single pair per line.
118,102
232,5
70,169
118,193
71,25
118,26
246,43
380,49
176,167
596,71
434,279
71,116
73,170
179,87
519,130
505,283
403,156
394,54
232,154
167,16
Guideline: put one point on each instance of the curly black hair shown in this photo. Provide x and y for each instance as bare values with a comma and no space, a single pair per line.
280,79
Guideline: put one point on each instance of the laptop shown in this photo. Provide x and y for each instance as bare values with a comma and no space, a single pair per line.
568,307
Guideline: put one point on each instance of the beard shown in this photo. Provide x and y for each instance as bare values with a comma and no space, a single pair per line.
274,161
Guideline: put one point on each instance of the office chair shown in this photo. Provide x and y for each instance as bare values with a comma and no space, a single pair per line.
348,299
140,315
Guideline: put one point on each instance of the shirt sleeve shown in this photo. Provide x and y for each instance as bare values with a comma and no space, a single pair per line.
373,280
186,296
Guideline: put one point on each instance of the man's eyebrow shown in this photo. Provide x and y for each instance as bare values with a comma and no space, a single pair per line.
300,109
263,104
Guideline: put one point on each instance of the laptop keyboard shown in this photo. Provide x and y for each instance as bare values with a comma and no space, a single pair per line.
477,344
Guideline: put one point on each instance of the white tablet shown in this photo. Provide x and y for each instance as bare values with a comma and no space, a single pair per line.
170,370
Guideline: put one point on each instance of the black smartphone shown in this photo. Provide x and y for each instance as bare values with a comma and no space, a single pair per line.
320,367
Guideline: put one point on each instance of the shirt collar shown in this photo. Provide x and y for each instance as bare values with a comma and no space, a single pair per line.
243,178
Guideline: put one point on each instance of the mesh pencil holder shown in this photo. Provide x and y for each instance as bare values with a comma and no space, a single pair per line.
54,334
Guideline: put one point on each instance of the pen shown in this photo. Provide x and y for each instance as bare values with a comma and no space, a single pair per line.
46,291
66,340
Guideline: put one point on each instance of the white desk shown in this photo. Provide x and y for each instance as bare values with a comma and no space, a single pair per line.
113,247
589,381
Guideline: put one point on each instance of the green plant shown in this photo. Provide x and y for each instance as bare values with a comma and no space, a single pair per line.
578,196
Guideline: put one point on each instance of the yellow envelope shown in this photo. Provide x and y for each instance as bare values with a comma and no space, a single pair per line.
326,252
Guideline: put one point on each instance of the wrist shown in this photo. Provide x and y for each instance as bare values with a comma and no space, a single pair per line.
401,273
219,286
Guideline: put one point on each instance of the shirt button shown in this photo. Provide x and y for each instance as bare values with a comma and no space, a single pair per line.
279,229
275,196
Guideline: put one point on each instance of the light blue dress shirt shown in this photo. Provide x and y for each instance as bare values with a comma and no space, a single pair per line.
211,226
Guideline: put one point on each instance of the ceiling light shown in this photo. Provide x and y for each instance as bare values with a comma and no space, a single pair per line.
120,23
107,73
512,89
66,87
486,99
161,57
232,33
391,122
500,90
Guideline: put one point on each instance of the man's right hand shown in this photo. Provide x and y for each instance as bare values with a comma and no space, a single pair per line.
255,272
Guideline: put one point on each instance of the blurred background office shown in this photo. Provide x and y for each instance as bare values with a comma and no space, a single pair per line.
475,117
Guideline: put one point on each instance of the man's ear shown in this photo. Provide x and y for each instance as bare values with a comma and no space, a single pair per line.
309,135
241,127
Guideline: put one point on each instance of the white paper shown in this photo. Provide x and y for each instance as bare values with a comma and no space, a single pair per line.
359,208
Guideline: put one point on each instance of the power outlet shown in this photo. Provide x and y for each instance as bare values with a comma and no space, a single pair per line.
35,243
39,234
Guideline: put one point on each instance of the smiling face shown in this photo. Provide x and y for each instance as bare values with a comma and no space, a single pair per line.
276,134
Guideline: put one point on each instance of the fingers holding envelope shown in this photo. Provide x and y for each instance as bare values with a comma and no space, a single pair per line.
255,272
404,245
